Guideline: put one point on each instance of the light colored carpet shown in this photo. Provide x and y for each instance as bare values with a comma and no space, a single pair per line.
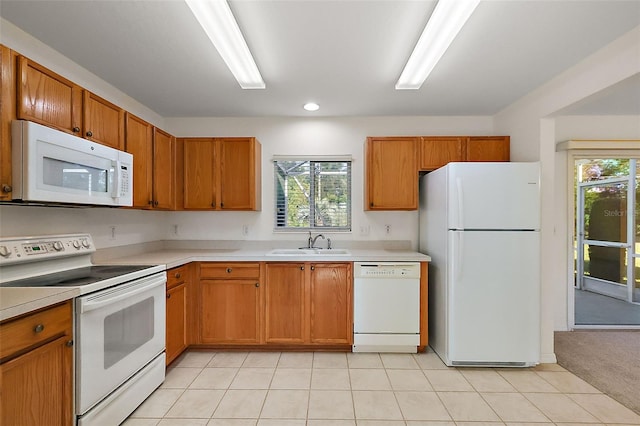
608,360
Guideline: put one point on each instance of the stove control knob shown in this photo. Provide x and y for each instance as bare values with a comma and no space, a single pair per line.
76,244
85,243
4,251
57,246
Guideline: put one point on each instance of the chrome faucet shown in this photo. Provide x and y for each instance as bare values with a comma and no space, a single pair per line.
312,241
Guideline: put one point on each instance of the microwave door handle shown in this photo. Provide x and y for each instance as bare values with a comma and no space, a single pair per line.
119,294
115,193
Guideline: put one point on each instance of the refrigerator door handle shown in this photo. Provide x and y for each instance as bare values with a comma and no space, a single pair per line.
460,224
458,256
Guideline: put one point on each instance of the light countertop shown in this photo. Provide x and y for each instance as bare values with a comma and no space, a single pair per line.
16,301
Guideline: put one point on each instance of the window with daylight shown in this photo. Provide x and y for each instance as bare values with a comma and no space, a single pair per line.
312,194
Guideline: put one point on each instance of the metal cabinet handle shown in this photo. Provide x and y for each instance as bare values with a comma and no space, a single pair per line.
313,268
6,188
38,328
155,204
76,129
229,270
69,343
222,205
151,203
168,296
257,284
89,133
213,205
302,268
178,275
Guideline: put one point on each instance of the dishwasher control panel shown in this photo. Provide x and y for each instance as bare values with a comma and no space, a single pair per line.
387,270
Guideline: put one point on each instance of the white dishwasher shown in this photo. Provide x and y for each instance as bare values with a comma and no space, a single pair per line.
386,307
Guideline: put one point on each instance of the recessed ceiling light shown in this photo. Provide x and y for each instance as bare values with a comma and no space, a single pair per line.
446,21
311,106
218,23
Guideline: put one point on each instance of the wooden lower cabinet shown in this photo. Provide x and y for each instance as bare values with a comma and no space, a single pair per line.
36,379
308,303
178,287
283,304
285,301
230,303
331,304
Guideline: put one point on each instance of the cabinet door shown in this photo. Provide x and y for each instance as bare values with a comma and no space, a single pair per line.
37,386
47,98
7,113
176,327
437,151
391,178
199,173
164,190
103,121
238,174
230,311
285,303
488,148
139,142
331,289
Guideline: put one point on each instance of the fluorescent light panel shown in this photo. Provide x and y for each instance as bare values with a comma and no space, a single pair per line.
447,19
218,22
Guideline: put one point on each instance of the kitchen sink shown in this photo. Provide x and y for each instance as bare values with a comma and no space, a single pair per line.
309,252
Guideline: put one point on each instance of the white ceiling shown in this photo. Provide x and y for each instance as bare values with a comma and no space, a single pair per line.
345,55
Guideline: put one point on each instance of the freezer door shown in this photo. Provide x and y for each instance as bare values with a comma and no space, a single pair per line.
494,297
493,196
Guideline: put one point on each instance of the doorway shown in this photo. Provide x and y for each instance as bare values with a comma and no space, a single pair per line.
607,245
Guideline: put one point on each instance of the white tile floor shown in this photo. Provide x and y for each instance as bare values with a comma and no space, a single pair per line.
349,389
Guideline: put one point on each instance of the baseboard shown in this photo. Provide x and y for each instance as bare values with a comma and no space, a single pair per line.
548,358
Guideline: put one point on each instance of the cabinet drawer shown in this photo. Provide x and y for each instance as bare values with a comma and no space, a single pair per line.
29,331
177,275
229,270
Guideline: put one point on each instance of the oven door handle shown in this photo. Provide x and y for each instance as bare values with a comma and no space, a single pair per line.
122,292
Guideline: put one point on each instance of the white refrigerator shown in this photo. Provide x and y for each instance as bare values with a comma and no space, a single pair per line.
480,223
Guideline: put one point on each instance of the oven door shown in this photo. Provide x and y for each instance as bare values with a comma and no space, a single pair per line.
119,330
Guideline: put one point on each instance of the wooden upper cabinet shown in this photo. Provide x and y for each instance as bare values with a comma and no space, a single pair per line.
391,173
47,98
221,173
153,164
488,148
7,114
139,143
199,173
240,174
103,121
164,168
436,151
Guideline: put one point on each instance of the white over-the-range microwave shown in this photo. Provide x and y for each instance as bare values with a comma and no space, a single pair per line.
53,167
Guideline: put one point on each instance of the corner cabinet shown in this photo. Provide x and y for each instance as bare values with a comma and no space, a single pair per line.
36,368
308,303
391,173
178,288
221,173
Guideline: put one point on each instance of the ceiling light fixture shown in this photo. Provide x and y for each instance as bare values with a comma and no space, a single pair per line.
218,22
311,106
447,19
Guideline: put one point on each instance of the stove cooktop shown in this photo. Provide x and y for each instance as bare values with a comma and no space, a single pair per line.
77,277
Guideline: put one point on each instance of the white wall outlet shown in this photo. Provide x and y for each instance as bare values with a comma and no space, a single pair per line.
365,229
112,232
387,229
245,230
